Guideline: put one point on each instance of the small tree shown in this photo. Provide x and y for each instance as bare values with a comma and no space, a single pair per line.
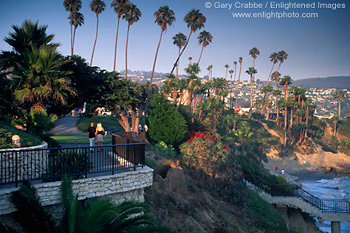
165,122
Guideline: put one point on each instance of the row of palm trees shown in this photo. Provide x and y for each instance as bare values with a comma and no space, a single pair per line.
123,8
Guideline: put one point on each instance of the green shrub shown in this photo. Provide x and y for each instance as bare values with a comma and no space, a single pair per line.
345,146
266,217
6,133
70,163
165,122
167,150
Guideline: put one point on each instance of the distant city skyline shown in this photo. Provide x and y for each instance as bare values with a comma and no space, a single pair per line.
317,47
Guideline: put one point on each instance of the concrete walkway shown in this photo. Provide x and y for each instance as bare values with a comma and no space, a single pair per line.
66,125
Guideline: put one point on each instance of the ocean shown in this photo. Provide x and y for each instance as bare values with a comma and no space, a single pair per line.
337,188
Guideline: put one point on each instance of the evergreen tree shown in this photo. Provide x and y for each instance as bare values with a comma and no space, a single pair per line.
165,122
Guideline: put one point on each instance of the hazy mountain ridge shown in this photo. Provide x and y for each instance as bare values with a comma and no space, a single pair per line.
339,82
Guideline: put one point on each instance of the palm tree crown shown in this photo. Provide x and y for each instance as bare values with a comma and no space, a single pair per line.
164,17
204,38
179,40
254,52
97,6
195,20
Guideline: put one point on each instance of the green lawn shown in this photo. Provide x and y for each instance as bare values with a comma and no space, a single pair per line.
109,123
77,139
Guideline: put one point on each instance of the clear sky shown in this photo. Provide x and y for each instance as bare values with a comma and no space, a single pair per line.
317,47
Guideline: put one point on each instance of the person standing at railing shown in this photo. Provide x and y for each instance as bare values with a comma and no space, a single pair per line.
91,134
100,132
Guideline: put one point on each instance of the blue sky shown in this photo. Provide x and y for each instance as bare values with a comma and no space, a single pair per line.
317,47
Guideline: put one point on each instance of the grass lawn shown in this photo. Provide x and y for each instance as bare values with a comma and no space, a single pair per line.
109,123
77,139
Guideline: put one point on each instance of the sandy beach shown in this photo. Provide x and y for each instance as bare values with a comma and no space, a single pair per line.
319,165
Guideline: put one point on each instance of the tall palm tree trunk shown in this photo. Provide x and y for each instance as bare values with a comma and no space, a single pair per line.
268,78
200,54
251,96
93,49
152,74
75,29
267,106
177,66
126,55
231,91
277,110
306,120
339,107
71,39
235,85
115,46
178,58
194,102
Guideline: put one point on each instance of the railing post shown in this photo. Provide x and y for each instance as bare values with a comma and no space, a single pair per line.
16,162
86,159
134,160
113,159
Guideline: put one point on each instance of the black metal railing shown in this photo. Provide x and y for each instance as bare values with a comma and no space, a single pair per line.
52,163
325,205
287,190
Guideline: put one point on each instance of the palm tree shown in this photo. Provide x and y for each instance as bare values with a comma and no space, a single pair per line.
164,18
273,58
40,78
190,59
72,6
307,104
276,76
281,57
226,68
251,71
179,40
195,21
97,6
78,20
196,85
132,15
219,85
243,133
335,120
119,8
277,93
240,60
231,85
235,70
254,52
267,89
215,107
210,69
24,38
204,38
286,80
340,96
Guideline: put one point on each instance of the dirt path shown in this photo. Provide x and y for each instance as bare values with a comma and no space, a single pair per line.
272,132
66,125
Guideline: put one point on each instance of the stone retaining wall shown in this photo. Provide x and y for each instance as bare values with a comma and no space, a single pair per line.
119,187
26,162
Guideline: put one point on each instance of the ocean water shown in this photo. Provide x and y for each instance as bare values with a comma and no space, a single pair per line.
337,188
